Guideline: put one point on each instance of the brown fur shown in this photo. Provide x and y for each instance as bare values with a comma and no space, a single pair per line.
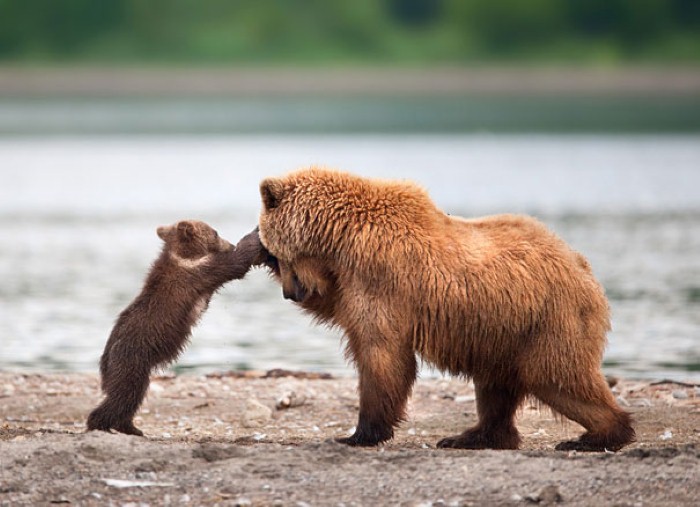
499,299
153,330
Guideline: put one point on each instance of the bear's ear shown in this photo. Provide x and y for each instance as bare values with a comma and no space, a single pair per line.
163,231
271,191
185,231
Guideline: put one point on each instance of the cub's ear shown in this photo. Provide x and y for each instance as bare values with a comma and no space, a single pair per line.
185,231
271,191
163,231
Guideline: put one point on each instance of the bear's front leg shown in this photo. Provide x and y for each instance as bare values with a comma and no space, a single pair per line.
387,373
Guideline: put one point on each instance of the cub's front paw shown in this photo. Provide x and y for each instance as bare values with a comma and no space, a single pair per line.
252,249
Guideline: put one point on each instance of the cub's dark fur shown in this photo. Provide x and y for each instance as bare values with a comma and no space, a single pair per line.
153,330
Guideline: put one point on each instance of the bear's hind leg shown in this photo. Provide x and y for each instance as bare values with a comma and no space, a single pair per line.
124,388
496,406
608,427
108,417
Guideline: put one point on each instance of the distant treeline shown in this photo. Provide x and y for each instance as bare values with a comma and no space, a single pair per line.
349,31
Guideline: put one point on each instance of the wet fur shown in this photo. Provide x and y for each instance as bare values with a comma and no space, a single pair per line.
154,329
499,299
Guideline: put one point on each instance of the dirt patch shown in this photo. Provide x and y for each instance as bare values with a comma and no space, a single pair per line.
197,449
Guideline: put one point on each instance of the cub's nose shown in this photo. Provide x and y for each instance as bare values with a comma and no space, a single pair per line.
290,294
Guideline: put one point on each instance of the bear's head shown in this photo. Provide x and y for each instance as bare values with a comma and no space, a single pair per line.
295,224
288,215
192,239
320,223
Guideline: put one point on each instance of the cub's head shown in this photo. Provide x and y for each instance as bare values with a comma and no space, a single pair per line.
192,239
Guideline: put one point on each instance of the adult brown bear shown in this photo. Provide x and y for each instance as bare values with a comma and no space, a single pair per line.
499,299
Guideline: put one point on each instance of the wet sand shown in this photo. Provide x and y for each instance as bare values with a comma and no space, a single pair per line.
208,441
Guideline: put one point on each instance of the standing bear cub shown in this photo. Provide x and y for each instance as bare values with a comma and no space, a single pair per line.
500,299
153,330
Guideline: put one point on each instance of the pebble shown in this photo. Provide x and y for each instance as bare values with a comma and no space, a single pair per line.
256,414
666,435
290,399
156,388
465,398
549,495
680,394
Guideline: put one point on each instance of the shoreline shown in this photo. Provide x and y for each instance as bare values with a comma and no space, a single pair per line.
179,81
205,444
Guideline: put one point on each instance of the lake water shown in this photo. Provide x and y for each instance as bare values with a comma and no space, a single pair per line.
78,218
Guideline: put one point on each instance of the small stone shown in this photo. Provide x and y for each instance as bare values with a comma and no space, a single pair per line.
290,399
154,387
666,435
465,398
549,495
680,394
256,414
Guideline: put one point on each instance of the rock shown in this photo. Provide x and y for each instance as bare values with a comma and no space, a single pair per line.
680,394
666,435
256,414
550,494
547,496
290,399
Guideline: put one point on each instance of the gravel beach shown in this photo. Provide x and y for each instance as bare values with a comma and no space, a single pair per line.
265,438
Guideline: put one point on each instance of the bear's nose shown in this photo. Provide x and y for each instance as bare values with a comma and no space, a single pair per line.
289,294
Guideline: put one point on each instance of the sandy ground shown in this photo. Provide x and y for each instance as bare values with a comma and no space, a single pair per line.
209,442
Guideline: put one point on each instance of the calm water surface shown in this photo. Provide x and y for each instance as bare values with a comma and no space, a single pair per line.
78,218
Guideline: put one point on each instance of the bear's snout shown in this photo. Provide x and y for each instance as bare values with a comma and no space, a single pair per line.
296,293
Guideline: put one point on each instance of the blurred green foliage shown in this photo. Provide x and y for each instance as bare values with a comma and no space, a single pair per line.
353,31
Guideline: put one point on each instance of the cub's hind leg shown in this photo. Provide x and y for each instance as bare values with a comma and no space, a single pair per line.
496,406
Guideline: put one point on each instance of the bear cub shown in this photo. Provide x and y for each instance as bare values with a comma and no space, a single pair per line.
153,330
